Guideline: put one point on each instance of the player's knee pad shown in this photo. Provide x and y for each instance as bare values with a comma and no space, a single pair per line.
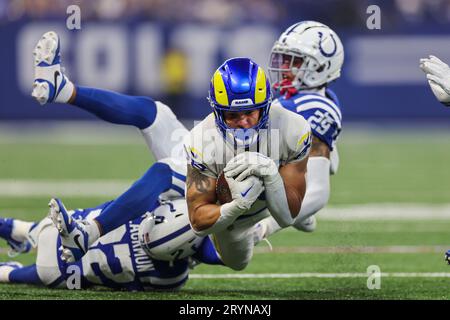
33,235
50,276
165,135
238,266
47,260
178,178
236,261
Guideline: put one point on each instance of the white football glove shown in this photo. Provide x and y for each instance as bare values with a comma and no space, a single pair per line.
251,163
438,75
245,192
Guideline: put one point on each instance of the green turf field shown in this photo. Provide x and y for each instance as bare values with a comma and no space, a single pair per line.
408,168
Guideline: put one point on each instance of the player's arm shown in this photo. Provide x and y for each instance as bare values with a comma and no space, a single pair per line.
293,176
283,194
284,189
318,187
319,148
205,215
201,199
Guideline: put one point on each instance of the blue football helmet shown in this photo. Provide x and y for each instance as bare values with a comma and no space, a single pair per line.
240,84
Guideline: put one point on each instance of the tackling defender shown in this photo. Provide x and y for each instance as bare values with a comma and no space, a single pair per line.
127,258
304,60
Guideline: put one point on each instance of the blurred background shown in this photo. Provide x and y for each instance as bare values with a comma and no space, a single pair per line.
169,50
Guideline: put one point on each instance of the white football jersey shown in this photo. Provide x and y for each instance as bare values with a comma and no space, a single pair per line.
286,140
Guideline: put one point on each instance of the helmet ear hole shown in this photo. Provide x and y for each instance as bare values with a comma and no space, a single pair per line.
171,240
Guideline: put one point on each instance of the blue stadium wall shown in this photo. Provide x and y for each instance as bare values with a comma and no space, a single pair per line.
380,82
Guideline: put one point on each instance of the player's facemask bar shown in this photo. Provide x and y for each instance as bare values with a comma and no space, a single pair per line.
240,137
283,62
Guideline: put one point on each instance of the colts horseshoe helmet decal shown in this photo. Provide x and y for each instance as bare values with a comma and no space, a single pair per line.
328,55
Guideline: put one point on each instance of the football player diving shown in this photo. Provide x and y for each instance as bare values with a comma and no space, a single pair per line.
151,252
156,121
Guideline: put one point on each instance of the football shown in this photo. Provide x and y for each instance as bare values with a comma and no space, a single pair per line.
223,190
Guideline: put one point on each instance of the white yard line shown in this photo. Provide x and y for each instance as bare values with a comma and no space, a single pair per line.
318,275
63,188
354,249
342,249
386,211
113,188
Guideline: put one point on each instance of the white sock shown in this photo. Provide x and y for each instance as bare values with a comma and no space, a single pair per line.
20,230
4,273
66,92
93,231
48,72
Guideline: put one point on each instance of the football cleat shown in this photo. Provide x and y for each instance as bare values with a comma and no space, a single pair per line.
447,256
16,247
75,238
308,225
50,82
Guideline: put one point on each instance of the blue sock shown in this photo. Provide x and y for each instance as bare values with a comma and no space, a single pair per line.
27,275
207,253
115,107
140,198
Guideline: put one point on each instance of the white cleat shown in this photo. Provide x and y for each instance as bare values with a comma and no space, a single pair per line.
75,237
40,92
50,82
46,49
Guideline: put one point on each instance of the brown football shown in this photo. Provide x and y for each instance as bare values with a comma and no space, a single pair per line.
223,190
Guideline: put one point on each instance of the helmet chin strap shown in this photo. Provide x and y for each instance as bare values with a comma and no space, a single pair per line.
286,88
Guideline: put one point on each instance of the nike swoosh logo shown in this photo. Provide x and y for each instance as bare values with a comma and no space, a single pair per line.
245,193
55,75
77,242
